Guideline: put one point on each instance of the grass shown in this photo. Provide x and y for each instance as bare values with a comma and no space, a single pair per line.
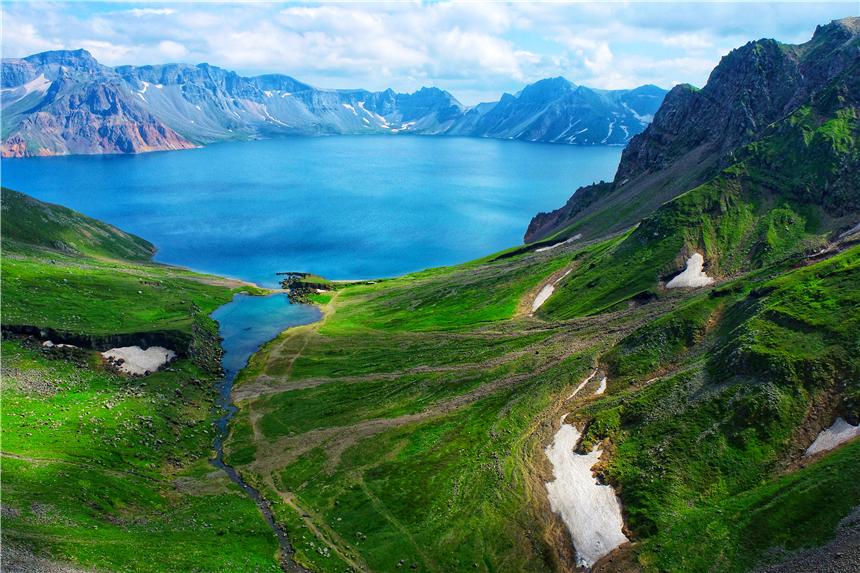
89,469
699,446
101,470
406,438
43,225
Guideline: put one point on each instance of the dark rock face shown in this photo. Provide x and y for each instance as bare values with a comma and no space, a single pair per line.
66,102
696,132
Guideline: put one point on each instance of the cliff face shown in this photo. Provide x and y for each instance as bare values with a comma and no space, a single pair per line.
66,102
696,133
56,108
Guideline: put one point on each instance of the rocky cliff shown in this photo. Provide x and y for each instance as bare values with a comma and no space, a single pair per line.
698,132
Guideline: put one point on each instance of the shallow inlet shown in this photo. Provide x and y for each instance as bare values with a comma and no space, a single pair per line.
245,324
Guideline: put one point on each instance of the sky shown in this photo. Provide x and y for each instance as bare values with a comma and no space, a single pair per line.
475,50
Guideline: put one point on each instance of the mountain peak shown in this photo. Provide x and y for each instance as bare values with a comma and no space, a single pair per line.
77,58
849,26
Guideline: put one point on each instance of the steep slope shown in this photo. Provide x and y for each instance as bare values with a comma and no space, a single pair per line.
28,221
411,426
697,133
65,102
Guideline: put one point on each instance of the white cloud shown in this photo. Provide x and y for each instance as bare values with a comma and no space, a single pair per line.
473,49
142,12
688,41
171,49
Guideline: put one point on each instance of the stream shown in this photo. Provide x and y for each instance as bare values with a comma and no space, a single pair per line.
245,324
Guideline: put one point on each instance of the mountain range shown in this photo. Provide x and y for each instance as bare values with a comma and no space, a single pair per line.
65,102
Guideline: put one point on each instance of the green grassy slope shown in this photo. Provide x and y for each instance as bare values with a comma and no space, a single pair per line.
98,469
737,385
32,222
411,423
393,430
785,196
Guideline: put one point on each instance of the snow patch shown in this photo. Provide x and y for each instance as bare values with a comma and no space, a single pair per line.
611,129
551,247
602,388
837,434
582,384
643,119
350,108
693,276
36,85
138,361
590,510
50,344
542,296
547,291
382,121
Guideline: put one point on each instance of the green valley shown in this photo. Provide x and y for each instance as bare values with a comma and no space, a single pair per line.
665,378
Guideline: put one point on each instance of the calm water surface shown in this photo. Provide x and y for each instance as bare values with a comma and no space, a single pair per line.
343,207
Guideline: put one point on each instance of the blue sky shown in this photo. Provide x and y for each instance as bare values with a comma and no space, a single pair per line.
476,50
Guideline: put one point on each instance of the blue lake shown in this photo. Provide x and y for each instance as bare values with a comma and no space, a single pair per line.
343,207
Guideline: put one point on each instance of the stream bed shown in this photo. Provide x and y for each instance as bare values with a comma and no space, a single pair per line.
246,323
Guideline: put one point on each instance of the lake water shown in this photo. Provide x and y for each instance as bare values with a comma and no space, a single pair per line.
343,207
248,322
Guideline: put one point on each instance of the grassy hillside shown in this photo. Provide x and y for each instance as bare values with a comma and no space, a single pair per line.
408,427
98,469
32,222
788,194
407,430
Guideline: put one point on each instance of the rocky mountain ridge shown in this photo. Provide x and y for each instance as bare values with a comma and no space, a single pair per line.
698,132
65,102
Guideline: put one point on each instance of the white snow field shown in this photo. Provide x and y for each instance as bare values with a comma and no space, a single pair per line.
138,361
692,276
591,511
837,434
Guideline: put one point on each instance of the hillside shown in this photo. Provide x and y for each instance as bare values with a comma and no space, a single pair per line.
419,424
65,102
27,221
759,97
100,468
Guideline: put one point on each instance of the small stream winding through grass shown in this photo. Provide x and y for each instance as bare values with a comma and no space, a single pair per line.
245,324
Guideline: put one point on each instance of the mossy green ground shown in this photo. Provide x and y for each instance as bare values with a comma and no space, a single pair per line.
405,433
98,469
